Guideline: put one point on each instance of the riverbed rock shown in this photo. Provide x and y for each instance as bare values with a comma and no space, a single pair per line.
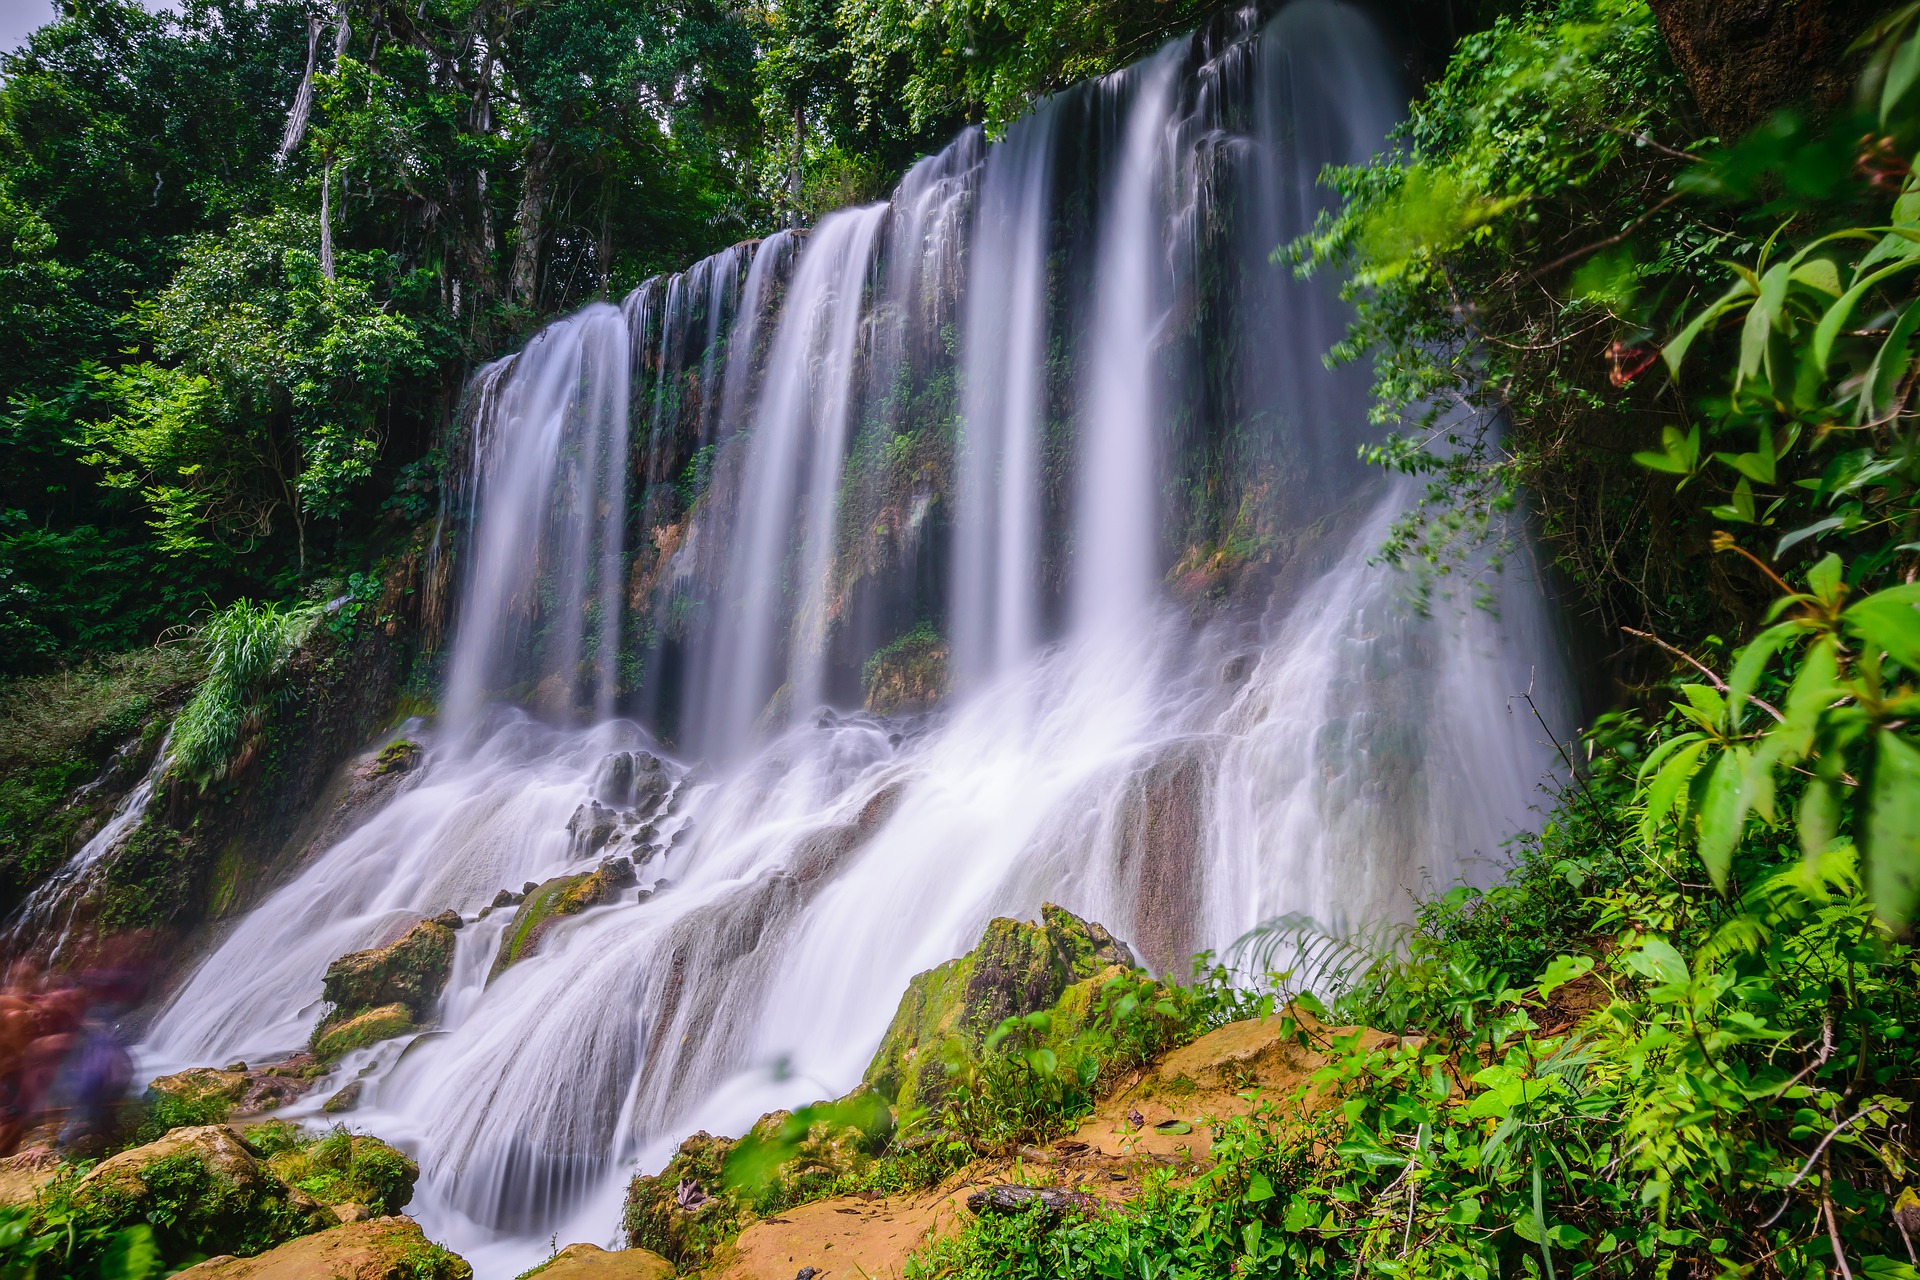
344,1168
412,970
554,900
1018,968
591,1262
210,1189
334,1040
236,1090
386,1248
590,828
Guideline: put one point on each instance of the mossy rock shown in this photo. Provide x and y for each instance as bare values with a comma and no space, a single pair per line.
203,1087
348,1168
412,970
554,900
910,674
1018,968
204,1189
397,756
334,1040
684,1229
389,1248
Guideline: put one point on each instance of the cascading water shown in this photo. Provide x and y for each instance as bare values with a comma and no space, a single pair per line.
1175,748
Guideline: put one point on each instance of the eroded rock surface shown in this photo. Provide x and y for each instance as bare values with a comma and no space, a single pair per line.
554,900
388,1248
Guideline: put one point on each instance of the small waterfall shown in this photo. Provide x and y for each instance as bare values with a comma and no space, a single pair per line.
1051,415
40,915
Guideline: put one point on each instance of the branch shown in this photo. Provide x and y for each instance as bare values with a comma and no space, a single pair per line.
1697,665
1798,1178
1598,245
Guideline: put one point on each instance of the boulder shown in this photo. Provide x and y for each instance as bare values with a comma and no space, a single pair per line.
408,974
334,1040
346,1168
206,1186
555,899
237,1090
590,828
391,1248
1018,968
683,1213
591,1262
412,970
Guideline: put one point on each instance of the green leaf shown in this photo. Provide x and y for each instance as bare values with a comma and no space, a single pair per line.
1883,378
1889,621
1676,349
1902,71
1761,318
1892,826
1801,534
1664,793
1824,579
1821,274
1258,1188
1723,812
1753,663
1656,958
1561,971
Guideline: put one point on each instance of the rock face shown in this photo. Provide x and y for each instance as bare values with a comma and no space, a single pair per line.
366,987
591,1262
379,1249
1018,968
208,1191
559,897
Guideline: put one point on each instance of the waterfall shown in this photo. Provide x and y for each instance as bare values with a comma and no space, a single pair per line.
1048,423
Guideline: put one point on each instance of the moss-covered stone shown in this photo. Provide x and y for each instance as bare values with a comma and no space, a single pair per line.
334,1040
389,1248
910,674
348,1168
1018,968
204,1190
554,900
412,971
684,1213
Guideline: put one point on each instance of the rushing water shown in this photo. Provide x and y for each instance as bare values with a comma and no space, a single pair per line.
689,522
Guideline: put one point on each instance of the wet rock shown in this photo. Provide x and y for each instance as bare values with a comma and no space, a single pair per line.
351,1212
636,780
591,826
505,898
591,1262
528,888
220,1197
656,1217
398,756
341,1167
412,971
909,674
1235,670
389,1248
365,989
562,896
334,1040
1018,968
1053,1201
448,919
345,1100
1162,828
235,1090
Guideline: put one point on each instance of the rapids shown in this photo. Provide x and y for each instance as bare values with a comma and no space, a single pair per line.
686,524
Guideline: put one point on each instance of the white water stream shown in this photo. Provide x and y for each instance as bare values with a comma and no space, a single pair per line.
1326,751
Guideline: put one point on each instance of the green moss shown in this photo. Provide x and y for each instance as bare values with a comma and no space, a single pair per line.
348,1168
653,1217
396,757
226,880
152,878
556,898
908,674
410,971
332,1041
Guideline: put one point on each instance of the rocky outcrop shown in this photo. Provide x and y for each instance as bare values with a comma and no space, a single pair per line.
412,971
385,991
591,1262
1018,968
237,1090
205,1190
909,674
351,1173
385,1248
554,900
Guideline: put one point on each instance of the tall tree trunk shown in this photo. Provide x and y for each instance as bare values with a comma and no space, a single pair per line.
326,221
302,109
529,228
1744,59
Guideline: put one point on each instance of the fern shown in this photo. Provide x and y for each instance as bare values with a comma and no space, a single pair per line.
248,646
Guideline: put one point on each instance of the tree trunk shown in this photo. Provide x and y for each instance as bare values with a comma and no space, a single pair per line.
1744,59
523,282
326,221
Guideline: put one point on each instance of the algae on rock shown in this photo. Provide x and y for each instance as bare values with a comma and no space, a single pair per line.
384,991
1018,968
554,899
